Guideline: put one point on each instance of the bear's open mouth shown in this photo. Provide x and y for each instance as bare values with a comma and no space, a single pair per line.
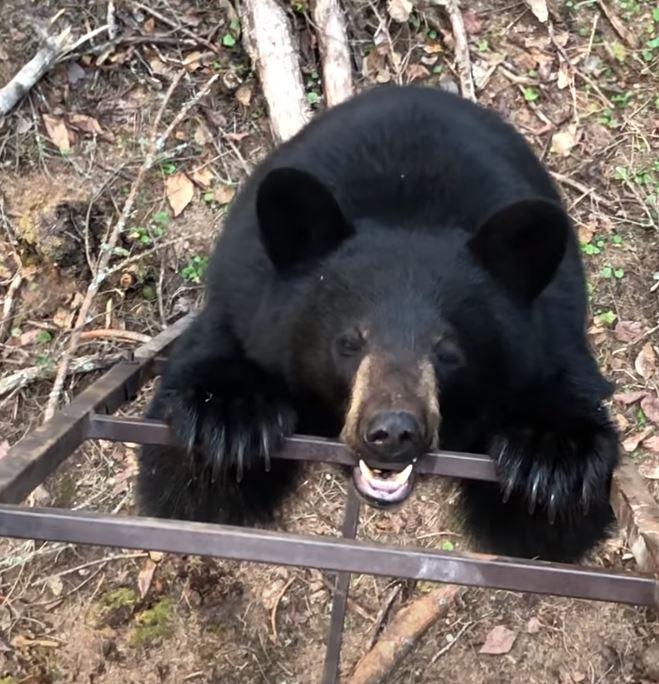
383,488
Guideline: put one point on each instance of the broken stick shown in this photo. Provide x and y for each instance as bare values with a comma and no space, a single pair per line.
269,42
334,51
462,58
406,628
32,72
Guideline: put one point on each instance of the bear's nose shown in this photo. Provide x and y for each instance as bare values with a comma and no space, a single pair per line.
393,435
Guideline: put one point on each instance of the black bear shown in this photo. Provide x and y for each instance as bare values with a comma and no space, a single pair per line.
400,274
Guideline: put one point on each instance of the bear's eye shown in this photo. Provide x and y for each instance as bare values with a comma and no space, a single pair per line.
350,343
447,352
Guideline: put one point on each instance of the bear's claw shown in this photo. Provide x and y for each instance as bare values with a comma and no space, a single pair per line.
228,434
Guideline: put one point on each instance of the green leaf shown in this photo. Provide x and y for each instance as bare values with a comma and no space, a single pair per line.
313,97
168,168
531,94
608,318
655,14
616,239
447,545
228,40
619,273
161,218
121,251
606,272
44,337
589,249
618,50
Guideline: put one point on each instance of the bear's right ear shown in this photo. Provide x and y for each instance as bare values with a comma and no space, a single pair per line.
299,219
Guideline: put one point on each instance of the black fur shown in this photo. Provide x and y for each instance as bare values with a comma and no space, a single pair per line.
430,221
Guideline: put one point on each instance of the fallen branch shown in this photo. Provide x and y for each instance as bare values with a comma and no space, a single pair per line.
33,71
8,303
462,57
114,334
334,51
26,376
398,639
55,48
584,189
618,25
268,41
156,143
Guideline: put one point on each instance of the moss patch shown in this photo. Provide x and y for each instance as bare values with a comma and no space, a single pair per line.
116,607
154,624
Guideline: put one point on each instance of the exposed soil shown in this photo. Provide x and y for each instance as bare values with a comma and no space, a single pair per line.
585,98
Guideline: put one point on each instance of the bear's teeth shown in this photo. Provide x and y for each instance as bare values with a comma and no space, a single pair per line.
397,480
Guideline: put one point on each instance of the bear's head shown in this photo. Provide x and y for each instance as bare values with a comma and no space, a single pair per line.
398,327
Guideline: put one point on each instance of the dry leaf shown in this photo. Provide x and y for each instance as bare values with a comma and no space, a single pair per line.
645,362
650,406
399,10
63,318
564,76
244,95
4,448
145,576
652,444
628,331
202,136
193,61
416,72
203,177
472,21
149,25
586,232
88,124
628,398
632,442
156,556
533,626
621,423
539,9
55,585
563,141
498,641
180,191
57,132
224,194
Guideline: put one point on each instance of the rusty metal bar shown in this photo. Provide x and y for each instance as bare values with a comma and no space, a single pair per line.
340,600
326,553
297,448
37,455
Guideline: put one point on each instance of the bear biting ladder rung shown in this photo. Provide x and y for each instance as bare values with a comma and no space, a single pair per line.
41,451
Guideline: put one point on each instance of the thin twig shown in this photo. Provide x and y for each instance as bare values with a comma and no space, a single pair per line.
580,187
462,57
111,333
177,27
8,303
26,376
156,143
273,613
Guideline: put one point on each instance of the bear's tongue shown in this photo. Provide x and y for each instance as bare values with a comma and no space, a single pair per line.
375,486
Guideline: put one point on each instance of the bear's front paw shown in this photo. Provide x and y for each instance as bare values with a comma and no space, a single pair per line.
229,433
560,474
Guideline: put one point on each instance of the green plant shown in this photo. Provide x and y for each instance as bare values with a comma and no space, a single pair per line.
44,337
168,168
313,98
606,318
195,269
531,94
610,272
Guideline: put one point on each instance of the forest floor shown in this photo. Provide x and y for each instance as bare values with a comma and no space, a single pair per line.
582,89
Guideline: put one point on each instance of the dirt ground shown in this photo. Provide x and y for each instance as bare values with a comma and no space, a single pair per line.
583,88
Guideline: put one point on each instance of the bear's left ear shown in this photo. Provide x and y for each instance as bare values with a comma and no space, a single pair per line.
522,244
299,219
